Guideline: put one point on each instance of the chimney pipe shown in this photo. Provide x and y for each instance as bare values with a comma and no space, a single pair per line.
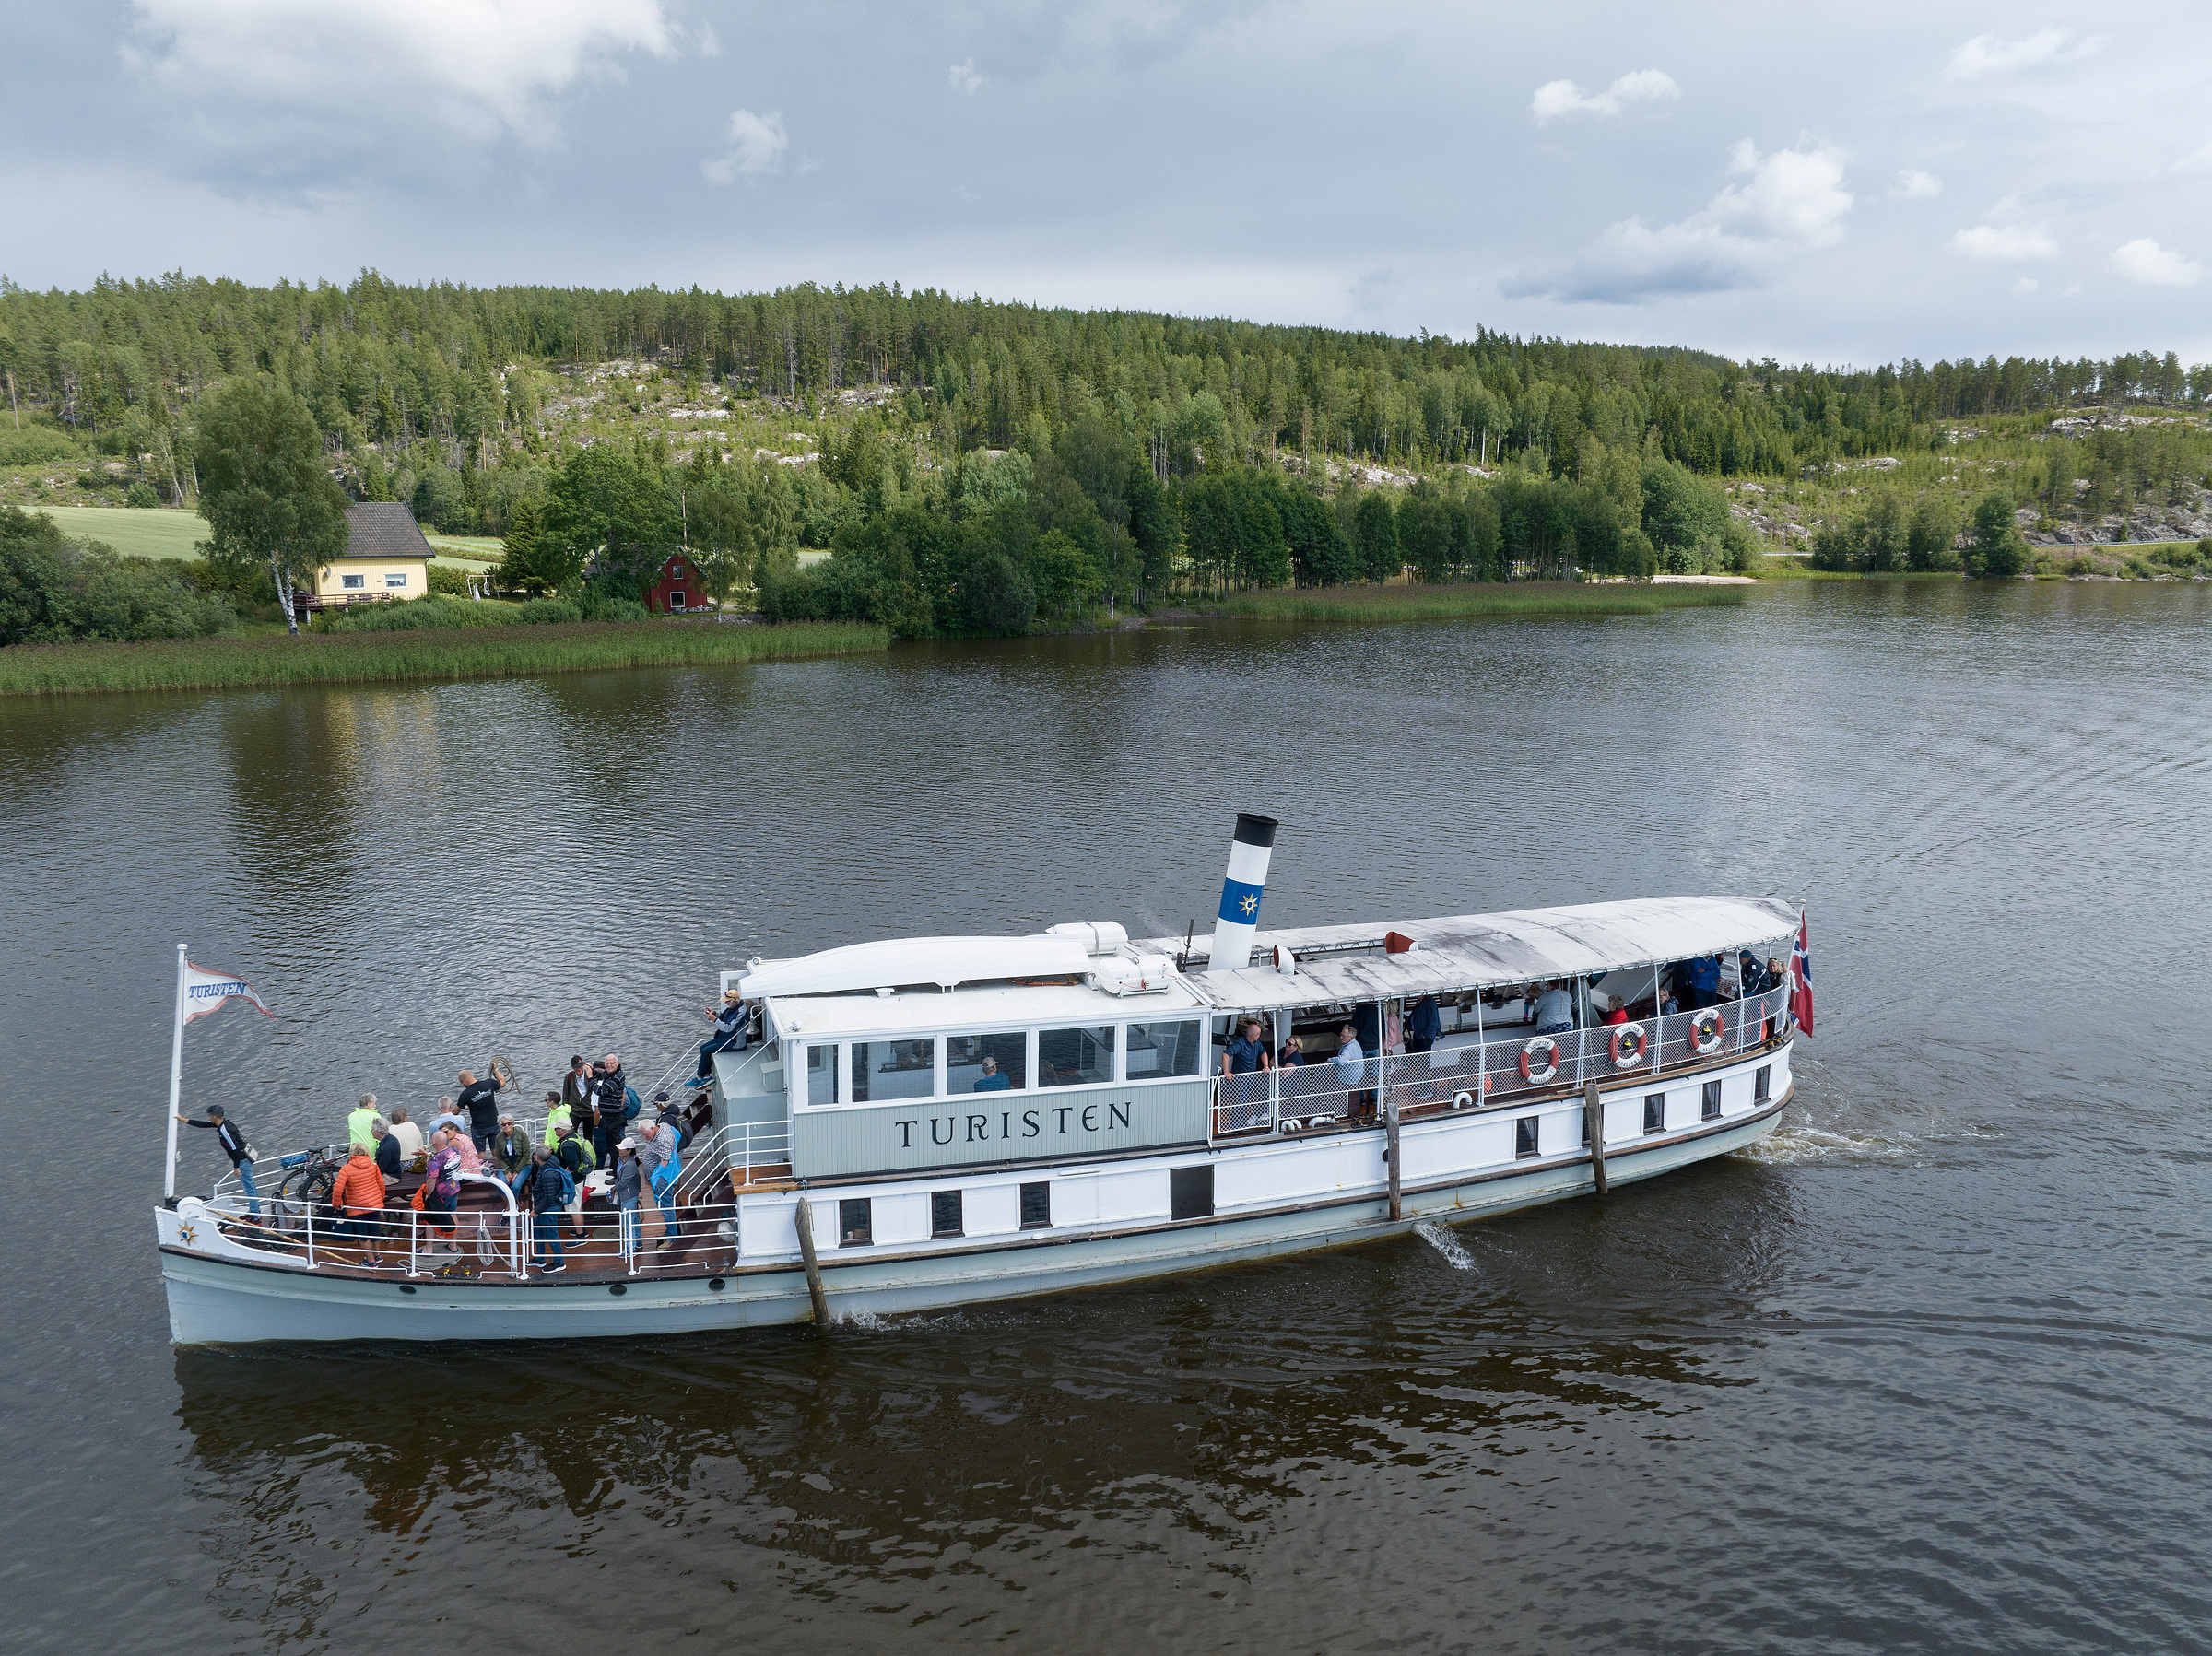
1241,889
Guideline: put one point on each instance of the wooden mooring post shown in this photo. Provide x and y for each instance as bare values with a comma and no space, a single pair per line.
804,1219
1593,1114
1390,1154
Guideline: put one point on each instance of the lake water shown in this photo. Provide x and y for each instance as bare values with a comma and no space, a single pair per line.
1926,1372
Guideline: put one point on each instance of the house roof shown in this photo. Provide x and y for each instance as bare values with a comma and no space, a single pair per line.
383,529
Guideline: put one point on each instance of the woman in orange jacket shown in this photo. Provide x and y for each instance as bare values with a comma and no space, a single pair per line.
357,1194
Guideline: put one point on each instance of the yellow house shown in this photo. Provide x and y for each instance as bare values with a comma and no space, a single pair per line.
385,558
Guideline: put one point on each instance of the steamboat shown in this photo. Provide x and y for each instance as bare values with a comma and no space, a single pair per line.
921,1123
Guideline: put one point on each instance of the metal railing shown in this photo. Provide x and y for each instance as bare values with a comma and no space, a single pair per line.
401,1241
1493,1073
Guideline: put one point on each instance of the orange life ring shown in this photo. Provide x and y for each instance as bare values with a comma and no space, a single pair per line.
1630,1046
1707,1030
1529,1072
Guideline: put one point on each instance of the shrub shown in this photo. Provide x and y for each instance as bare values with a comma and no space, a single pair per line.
141,493
994,595
447,581
432,611
54,590
35,444
602,608
548,612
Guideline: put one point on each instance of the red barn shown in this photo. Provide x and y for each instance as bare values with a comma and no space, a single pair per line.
677,588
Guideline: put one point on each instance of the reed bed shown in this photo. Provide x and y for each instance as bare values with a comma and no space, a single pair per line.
393,657
1518,598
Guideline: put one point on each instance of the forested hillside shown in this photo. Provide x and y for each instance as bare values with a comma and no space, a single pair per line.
1211,452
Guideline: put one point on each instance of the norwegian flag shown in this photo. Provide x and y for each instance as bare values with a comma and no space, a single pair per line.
1801,979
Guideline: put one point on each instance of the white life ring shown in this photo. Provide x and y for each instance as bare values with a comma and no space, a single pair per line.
1706,1032
1531,1071
1630,1046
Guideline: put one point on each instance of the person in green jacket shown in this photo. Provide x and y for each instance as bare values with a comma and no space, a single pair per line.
359,1135
558,1115
510,1151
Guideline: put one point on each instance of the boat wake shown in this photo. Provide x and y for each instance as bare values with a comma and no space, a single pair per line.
1444,1242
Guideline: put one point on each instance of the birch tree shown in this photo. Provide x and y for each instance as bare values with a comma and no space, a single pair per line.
263,487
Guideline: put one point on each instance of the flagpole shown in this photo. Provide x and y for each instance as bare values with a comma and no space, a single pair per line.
176,1081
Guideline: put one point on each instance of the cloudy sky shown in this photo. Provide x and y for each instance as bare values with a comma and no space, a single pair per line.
1864,183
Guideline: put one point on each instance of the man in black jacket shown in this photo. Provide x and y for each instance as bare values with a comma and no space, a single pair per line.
480,1100
231,1138
610,1090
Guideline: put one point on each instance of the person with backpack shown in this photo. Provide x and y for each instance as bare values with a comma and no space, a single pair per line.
573,1152
551,1190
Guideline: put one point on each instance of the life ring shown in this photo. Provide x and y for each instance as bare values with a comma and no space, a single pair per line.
1530,1073
1706,1032
1631,1045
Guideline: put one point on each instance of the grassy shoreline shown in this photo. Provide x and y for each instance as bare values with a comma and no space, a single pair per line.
1473,599
397,657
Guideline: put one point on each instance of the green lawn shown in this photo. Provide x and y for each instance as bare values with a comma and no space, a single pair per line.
136,531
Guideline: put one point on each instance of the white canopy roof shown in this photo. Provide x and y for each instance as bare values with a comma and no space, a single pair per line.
1476,951
943,961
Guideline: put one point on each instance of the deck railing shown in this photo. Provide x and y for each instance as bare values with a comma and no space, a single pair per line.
1500,1068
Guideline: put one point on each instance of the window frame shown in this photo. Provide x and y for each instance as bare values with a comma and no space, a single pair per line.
1528,1137
1709,1102
1042,1188
960,1215
1655,1113
352,584
861,1235
395,580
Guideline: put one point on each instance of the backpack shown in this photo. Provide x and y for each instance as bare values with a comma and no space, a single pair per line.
631,1103
567,1186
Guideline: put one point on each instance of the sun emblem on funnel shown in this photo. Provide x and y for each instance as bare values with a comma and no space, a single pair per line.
1250,904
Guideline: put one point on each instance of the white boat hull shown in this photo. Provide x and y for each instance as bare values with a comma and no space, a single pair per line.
222,1300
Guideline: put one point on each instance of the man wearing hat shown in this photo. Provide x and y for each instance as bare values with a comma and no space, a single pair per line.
629,1179
732,1019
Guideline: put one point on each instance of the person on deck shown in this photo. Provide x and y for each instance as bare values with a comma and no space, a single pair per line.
357,1123
558,1115
511,1152
576,1086
408,1134
1350,1064
1248,1053
1426,1025
231,1139
610,1106
1615,1012
991,1081
448,1116
1555,1010
629,1180
357,1197
1704,982
441,1189
732,1019
388,1160
479,1099
1290,1055
550,1190
575,1155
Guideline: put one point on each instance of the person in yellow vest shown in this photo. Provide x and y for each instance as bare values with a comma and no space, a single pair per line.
358,1133
558,1115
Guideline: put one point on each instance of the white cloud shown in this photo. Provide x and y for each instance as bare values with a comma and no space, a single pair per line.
1556,98
2026,284
758,144
1986,55
1913,184
2144,260
1793,202
963,77
482,65
2197,161
2008,242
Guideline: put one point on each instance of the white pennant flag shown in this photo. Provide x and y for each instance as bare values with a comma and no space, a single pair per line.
206,991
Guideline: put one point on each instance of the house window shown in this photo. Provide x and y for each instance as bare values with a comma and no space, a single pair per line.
1762,1083
353,583
1709,1102
1191,1192
395,578
945,1214
1009,1055
1654,1112
856,1223
1074,1057
675,600
1037,1205
1524,1137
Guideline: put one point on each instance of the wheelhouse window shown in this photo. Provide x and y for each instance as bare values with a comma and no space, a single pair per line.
1074,1057
987,1063
883,1070
821,1075
1158,1052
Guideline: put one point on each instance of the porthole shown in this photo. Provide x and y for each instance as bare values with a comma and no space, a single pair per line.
716,1284
406,1287
618,1289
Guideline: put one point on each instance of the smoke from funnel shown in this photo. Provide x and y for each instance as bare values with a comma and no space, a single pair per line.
1241,889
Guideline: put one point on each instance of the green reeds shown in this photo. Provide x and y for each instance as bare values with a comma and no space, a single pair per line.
1519,598
391,657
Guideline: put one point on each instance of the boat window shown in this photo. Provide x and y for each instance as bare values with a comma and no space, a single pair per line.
821,1074
883,1070
1191,1192
1710,1105
1524,1137
1009,1055
1762,1083
1037,1205
945,1217
1654,1112
856,1223
1074,1057
1157,1051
